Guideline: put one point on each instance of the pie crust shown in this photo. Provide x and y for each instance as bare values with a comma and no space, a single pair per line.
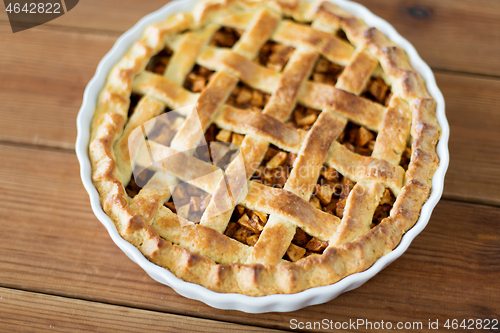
334,81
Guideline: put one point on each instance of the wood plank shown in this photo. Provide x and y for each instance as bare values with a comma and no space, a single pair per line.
50,242
472,111
449,34
22,311
104,15
41,95
42,78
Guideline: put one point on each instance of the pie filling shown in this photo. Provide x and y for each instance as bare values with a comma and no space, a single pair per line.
188,202
138,181
158,63
358,139
342,35
245,97
405,158
226,37
326,71
198,78
331,192
333,189
246,225
275,168
303,118
134,100
377,91
225,151
164,127
274,55
304,245
383,210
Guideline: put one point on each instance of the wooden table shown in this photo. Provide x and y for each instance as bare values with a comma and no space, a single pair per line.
59,269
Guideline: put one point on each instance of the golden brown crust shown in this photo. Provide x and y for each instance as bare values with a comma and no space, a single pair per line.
358,213
365,168
359,110
290,206
305,173
356,74
257,34
200,254
261,125
298,35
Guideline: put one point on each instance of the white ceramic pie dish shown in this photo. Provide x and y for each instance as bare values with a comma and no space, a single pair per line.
239,302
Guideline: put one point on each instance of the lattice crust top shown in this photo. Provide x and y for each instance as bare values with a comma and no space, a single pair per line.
201,252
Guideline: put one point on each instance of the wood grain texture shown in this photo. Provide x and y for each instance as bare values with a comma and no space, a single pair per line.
22,311
42,78
50,242
454,35
115,16
472,110
54,86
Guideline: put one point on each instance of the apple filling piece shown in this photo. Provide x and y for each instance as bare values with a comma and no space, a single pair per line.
188,202
331,192
383,210
303,118
377,91
198,78
405,158
245,97
138,181
275,56
246,225
275,168
158,63
358,139
134,100
342,35
326,71
216,134
226,37
304,245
